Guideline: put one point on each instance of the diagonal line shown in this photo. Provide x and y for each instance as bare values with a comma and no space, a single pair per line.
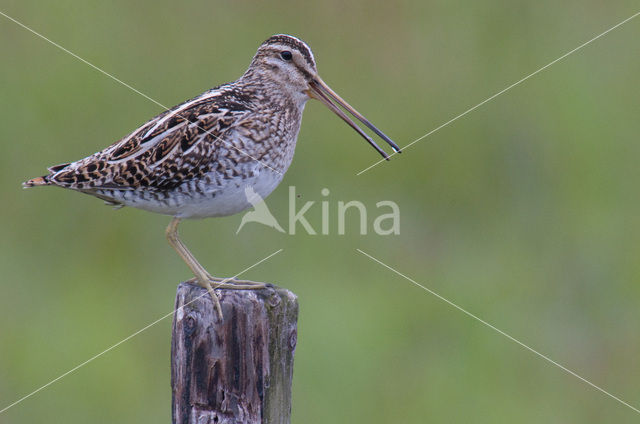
502,91
102,71
129,337
546,358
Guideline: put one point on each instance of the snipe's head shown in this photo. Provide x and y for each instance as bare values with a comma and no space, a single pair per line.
288,63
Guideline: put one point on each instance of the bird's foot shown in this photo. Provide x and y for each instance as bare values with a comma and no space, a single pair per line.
212,283
231,283
204,282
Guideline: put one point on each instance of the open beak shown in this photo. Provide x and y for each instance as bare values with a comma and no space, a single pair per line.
321,91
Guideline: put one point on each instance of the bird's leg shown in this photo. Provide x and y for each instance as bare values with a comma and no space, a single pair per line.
202,276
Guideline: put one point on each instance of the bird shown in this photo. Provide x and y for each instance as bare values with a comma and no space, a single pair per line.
196,159
261,212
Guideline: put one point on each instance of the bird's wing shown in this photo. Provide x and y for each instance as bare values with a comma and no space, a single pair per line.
162,153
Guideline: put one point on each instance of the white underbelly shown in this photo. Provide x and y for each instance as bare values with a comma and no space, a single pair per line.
229,198
232,198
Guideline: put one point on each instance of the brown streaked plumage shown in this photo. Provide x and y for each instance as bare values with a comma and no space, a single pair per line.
196,159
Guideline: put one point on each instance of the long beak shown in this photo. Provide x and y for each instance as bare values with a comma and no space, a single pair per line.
321,91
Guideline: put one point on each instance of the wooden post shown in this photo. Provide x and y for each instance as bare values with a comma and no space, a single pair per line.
238,370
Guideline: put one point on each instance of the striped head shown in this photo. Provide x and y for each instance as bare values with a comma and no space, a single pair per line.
287,63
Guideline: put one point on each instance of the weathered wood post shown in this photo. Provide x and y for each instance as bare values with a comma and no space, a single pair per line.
238,370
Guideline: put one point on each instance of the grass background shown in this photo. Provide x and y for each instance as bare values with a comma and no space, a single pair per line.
524,212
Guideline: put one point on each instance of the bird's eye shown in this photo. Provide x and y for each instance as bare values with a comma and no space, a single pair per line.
286,55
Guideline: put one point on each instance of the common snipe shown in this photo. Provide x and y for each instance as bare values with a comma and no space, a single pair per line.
195,160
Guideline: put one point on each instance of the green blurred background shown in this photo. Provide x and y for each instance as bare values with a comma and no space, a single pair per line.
524,212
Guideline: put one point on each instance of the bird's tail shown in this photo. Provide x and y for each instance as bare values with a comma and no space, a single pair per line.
45,180
40,181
